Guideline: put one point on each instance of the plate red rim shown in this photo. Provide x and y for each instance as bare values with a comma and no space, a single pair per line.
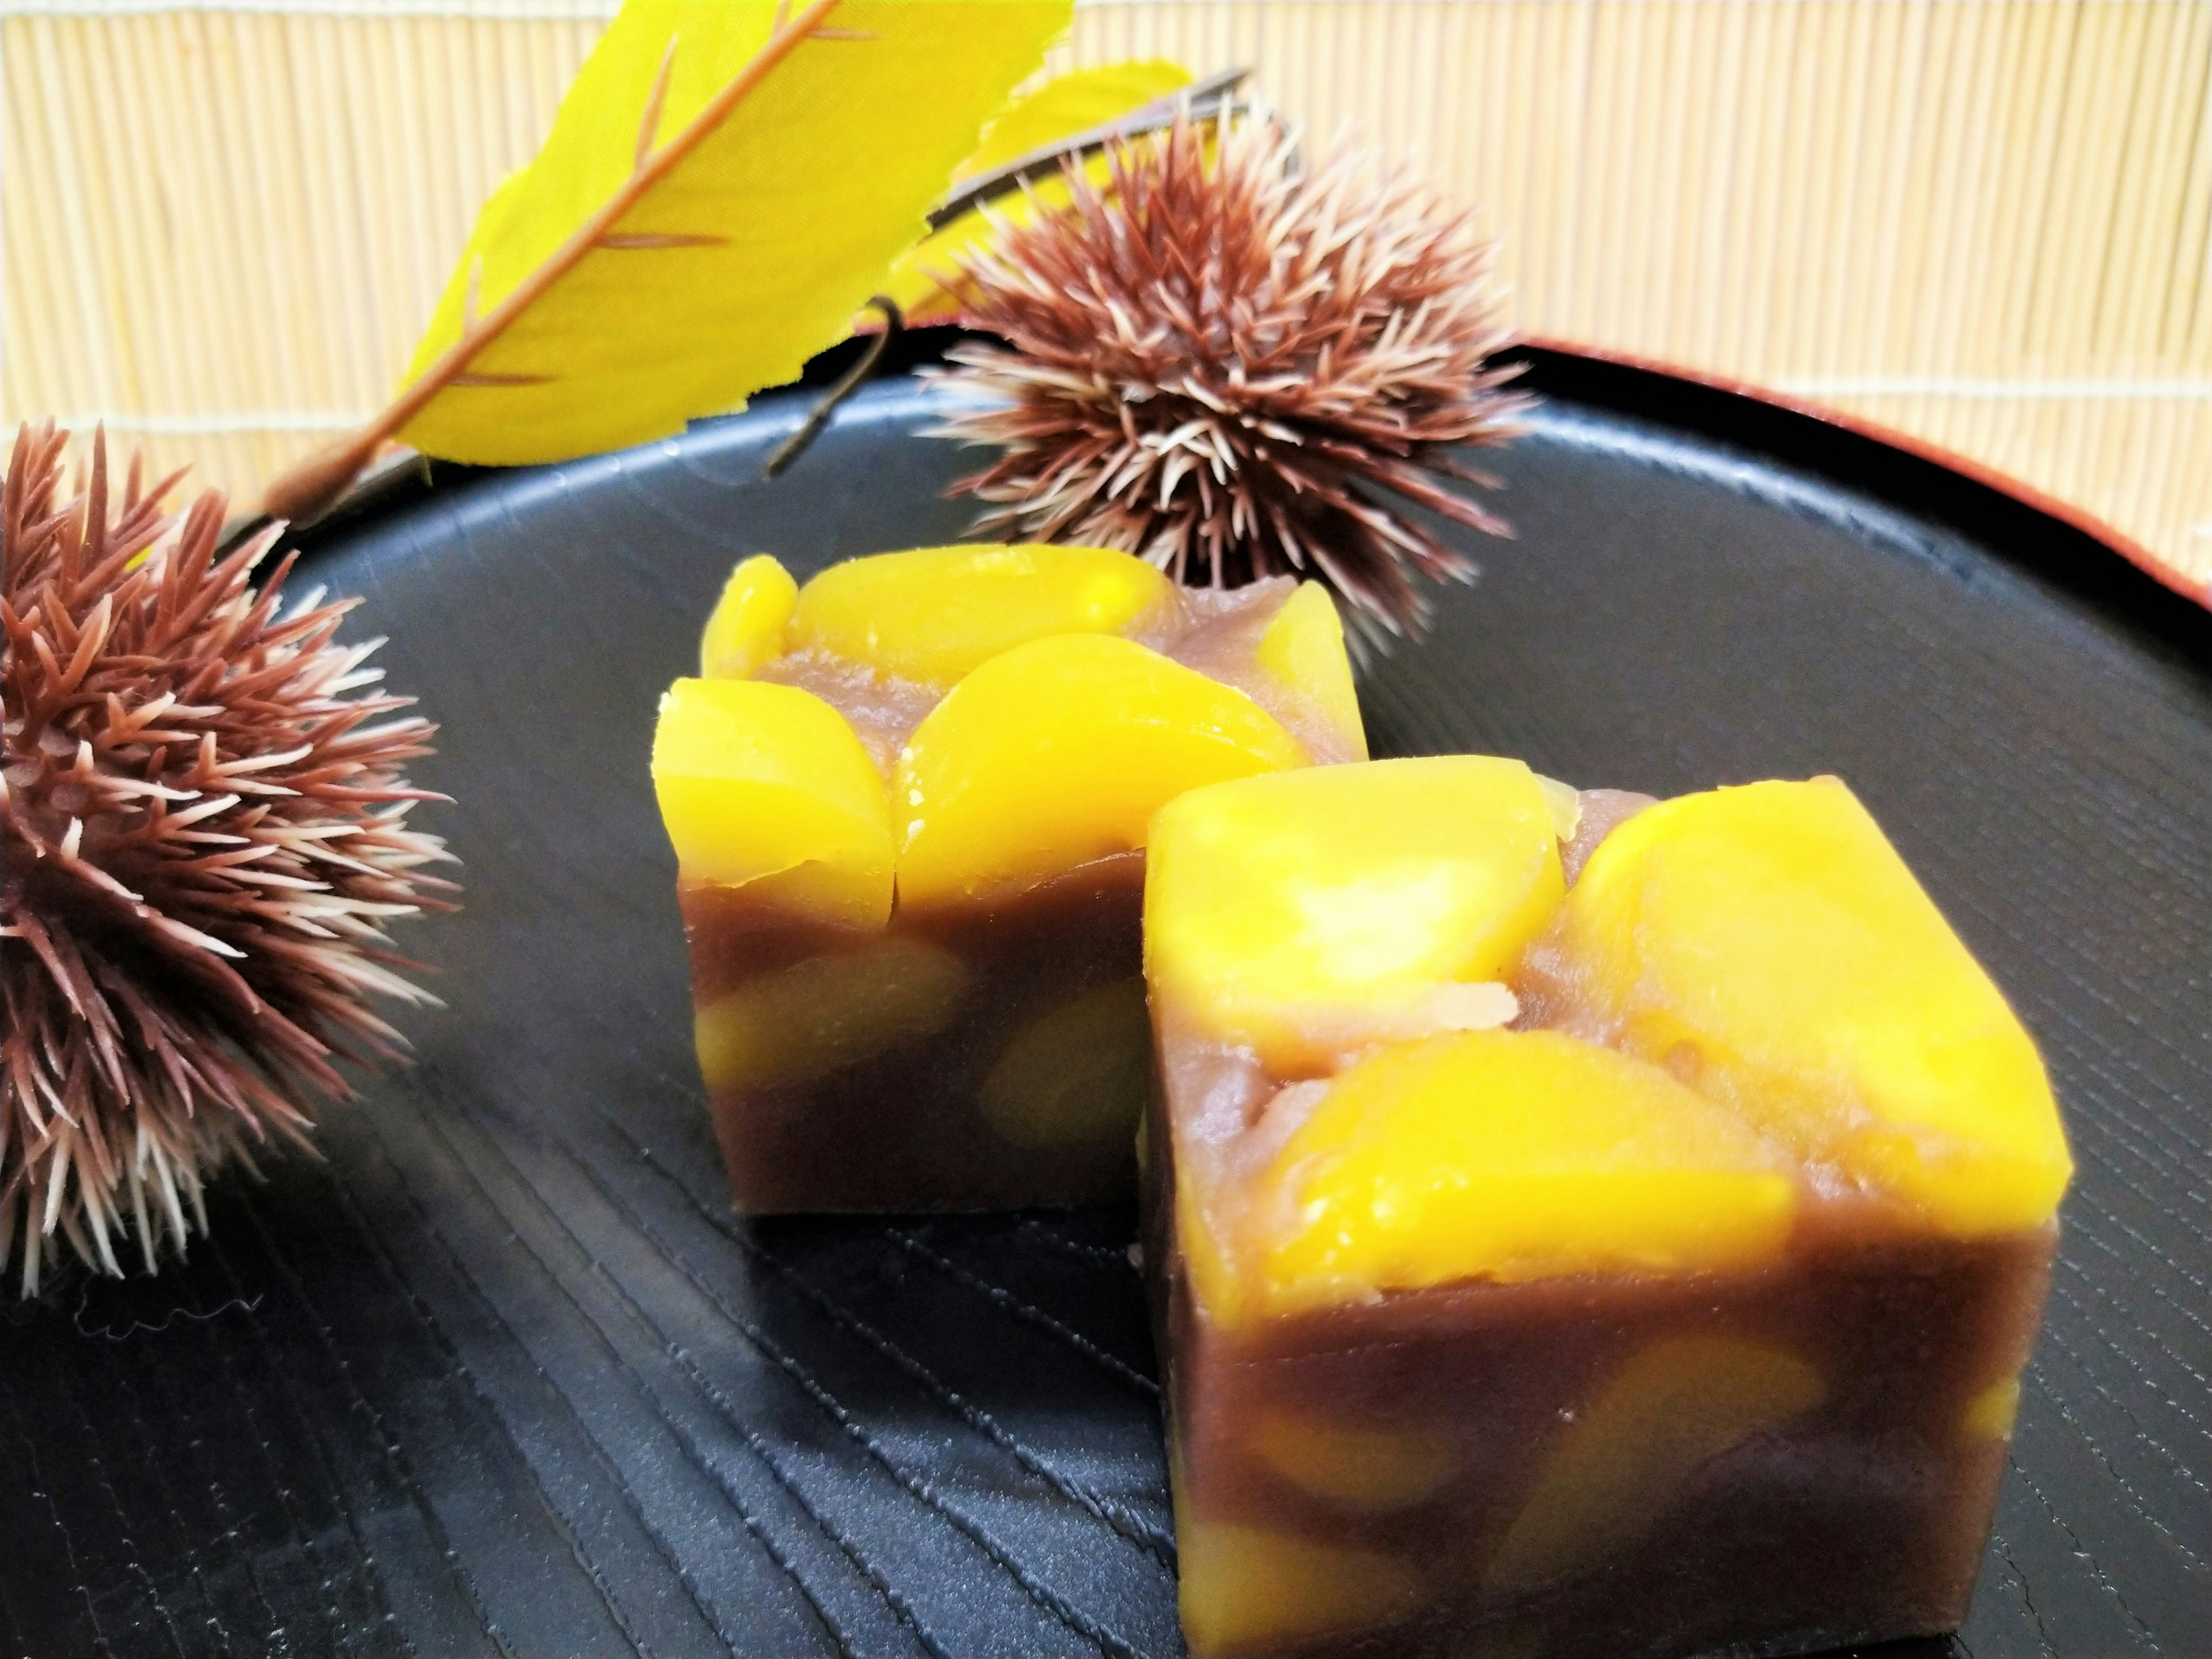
2168,574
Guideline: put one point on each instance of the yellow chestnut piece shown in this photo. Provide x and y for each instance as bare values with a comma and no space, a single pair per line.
1506,1156
1273,905
1991,1412
802,1022
746,631
1768,943
938,613
1252,1590
759,781
1075,1075
1566,804
1627,1460
1058,752
1302,647
1362,1468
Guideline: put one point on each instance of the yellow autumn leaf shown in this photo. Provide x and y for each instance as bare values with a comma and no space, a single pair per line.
1061,108
1069,104
725,183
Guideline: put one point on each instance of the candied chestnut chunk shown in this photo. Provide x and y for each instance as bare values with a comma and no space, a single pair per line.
1768,941
1056,753
910,802
766,788
1629,1268
1507,1155
751,621
938,614
1627,1459
1304,921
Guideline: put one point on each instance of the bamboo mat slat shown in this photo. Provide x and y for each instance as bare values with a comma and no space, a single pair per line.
1986,222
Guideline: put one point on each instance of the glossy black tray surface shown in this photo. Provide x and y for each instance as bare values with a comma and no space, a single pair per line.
504,1375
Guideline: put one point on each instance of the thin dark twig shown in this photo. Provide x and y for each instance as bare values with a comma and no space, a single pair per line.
796,445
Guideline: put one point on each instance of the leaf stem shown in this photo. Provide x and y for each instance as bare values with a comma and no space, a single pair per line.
849,382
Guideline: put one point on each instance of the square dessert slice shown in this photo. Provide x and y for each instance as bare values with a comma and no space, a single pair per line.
1577,1225
908,803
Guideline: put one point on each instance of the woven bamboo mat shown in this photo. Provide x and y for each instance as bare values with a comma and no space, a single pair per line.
1985,224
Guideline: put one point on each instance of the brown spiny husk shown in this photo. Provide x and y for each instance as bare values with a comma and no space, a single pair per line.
204,835
1237,368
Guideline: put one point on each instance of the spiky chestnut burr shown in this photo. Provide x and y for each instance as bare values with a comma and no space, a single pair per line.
1232,367
204,839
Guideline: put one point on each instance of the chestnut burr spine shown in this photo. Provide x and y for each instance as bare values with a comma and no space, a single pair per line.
1237,368
205,837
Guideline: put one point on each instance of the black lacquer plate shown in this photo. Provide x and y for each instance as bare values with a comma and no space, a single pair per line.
504,1375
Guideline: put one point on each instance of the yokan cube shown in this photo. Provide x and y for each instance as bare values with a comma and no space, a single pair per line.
909,803
1577,1225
